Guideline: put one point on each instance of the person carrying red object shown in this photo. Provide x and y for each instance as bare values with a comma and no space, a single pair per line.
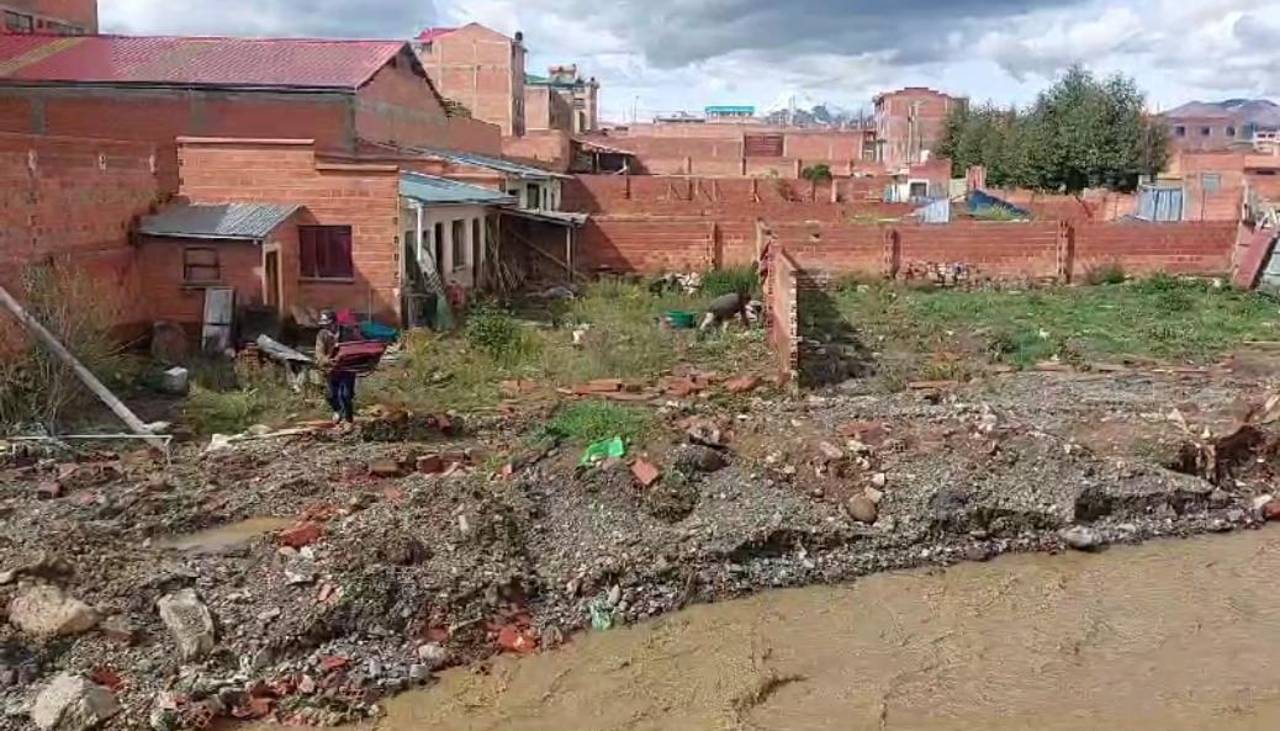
341,391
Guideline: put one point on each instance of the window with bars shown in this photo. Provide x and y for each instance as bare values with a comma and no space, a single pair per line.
326,252
200,265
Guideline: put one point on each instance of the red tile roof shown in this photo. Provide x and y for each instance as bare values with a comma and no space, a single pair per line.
194,61
430,34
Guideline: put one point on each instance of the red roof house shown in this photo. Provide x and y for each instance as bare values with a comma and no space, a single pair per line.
159,88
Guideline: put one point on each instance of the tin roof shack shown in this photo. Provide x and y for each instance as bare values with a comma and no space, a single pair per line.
185,250
361,252
158,88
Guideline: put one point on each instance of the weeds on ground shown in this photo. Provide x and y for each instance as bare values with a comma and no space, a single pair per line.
226,401
587,422
1162,317
1111,273
36,387
731,281
619,338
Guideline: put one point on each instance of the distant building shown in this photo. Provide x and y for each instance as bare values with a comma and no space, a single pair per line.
479,68
338,93
578,100
49,17
910,124
730,113
1218,126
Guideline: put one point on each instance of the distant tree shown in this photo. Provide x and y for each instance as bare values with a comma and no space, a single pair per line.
1079,133
817,173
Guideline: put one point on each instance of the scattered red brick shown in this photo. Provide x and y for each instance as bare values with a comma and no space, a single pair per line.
645,472
393,495
745,384
49,490
930,385
431,464
301,535
330,663
513,638
1050,366
254,708
320,512
516,388
385,468
679,387
603,385
871,433
107,678
1271,511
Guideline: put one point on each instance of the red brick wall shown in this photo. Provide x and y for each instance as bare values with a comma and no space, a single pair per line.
782,305
365,197
646,245
902,142
483,70
398,106
1140,248
726,198
996,250
160,116
551,148
74,200
160,267
826,250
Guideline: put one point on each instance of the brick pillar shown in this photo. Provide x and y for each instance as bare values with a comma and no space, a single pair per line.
892,252
1066,241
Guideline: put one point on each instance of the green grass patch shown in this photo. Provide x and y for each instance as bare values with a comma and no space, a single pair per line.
591,421
720,282
621,339
1162,317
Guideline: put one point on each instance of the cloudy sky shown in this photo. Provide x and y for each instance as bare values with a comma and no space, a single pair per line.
656,56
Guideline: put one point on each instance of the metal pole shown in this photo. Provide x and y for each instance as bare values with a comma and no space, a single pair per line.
86,376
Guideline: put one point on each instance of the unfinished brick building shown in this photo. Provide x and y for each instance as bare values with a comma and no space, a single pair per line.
909,125
49,17
155,89
566,90
479,68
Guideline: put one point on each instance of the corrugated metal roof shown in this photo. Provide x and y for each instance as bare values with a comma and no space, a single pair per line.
431,190
244,62
251,221
491,163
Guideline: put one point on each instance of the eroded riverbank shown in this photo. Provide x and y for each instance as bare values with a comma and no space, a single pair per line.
1169,635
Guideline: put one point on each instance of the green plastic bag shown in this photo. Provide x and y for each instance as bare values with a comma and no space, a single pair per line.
601,616
600,451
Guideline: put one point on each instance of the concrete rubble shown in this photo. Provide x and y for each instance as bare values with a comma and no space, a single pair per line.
379,565
72,703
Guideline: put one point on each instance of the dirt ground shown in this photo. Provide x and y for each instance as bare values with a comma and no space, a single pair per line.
378,570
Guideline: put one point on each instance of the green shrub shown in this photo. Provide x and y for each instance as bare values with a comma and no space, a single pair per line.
817,173
719,282
497,333
592,421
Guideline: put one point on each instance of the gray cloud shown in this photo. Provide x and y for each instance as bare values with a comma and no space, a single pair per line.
318,18
674,33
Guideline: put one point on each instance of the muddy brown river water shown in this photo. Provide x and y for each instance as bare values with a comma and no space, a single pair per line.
1172,635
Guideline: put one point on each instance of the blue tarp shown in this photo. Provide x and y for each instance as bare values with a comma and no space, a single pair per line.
980,203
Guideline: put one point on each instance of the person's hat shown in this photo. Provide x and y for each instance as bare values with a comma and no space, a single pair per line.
326,318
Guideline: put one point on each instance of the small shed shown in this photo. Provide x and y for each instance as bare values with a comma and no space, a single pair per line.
197,261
